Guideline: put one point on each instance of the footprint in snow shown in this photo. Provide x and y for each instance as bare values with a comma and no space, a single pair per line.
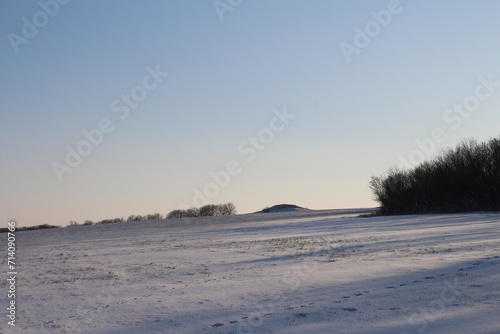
350,309
218,325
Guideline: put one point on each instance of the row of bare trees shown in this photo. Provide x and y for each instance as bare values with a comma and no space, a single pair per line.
205,211
466,178
132,218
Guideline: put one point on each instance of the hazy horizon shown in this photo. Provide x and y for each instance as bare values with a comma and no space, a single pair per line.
111,109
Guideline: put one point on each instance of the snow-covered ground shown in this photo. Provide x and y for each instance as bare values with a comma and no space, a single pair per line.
297,272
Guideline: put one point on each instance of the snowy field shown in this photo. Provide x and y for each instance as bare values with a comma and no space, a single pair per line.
297,272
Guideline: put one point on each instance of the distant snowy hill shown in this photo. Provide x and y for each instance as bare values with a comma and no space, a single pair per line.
282,208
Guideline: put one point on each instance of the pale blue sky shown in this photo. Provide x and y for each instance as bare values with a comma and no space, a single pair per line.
353,119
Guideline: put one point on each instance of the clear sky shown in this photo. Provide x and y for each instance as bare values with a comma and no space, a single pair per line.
296,101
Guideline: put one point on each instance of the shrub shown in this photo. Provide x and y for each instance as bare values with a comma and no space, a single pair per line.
192,212
208,210
138,218
227,209
37,227
154,216
111,221
175,214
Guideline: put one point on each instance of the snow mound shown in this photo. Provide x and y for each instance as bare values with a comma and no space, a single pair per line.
282,208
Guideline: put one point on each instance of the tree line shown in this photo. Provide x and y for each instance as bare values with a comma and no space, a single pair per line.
462,179
204,211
